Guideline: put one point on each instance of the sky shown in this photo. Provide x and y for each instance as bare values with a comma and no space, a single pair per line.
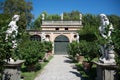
84,6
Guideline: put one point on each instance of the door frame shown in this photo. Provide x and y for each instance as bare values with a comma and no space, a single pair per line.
60,38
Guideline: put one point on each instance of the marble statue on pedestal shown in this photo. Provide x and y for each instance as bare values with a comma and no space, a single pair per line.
13,30
12,67
107,51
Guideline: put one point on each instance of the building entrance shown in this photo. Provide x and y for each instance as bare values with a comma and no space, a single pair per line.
60,44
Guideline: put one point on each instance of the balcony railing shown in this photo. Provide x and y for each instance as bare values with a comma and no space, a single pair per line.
61,22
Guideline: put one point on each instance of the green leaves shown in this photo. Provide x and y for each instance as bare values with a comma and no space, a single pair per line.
116,39
73,15
115,20
22,8
32,51
5,47
73,49
91,20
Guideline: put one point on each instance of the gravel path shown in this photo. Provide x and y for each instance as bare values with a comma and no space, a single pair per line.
59,68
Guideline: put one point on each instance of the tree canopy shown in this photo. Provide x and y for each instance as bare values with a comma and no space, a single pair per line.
73,15
20,7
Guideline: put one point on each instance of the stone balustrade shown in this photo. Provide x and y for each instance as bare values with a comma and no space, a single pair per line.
62,23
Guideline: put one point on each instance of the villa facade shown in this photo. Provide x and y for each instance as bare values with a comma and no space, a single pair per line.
60,33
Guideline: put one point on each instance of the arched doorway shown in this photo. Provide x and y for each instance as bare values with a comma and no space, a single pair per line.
60,44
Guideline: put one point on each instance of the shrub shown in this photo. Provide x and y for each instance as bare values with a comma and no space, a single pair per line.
31,52
5,47
116,40
89,49
88,43
73,48
48,46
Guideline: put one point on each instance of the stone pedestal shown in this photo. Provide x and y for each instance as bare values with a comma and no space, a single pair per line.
105,71
12,70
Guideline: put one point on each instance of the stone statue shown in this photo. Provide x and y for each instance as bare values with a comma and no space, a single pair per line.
106,29
43,16
80,16
12,67
77,38
62,16
105,24
12,31
43,37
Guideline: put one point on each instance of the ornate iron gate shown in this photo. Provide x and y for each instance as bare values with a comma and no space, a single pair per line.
60,44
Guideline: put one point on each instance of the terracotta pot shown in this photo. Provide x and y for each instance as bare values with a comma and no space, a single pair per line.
87,65
49,53
31,67
80,59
